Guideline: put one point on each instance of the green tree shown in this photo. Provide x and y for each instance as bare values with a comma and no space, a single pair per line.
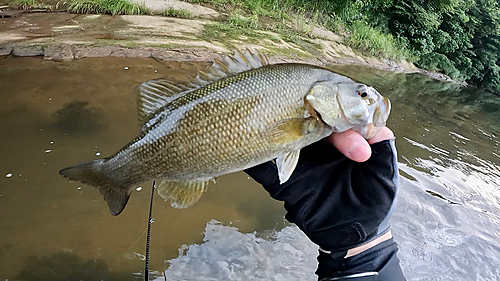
458,37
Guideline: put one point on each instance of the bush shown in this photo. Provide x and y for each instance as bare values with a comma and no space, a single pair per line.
376,43
439,62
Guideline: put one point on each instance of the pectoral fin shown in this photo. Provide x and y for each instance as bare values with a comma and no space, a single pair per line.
290,130
286,165
182,194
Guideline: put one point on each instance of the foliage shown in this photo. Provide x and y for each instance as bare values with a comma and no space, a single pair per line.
239,20
30,4
177,13
457,37
460,38
373,42
113,7
297,18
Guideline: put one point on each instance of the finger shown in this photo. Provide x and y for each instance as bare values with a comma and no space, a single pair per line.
384,134
351,144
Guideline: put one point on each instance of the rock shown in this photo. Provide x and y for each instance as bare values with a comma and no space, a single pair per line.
183,54
132,53
92,52
6,50
10,13
58,53
27,51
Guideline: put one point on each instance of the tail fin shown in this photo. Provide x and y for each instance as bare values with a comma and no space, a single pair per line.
90,172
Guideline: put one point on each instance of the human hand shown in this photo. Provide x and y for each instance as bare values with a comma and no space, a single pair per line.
354,146
338,190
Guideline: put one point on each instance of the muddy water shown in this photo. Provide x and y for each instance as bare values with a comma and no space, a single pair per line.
54,114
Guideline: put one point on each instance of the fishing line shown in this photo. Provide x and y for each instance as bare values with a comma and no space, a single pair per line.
146,263
128,250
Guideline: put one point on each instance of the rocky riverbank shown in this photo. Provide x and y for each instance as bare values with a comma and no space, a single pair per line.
61,36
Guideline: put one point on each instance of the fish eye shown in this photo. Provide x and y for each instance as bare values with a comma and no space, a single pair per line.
363,94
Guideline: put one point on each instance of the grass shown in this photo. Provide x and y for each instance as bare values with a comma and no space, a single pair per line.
296,19
373,42
250,28
30,5
235,27
177,13
293,20
244,26
119,7
113,7
237,19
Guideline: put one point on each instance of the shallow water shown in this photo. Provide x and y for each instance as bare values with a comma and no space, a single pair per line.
54,114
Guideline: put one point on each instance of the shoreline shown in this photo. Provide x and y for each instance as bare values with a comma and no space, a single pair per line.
61,36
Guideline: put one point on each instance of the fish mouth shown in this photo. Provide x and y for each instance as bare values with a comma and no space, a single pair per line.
381,112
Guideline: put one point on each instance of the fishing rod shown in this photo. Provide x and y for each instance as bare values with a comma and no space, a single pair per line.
146,265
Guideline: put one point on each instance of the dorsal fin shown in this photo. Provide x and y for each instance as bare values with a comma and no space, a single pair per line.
154,94
230,65
240,62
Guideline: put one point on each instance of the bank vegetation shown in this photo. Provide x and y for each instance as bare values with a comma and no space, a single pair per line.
460,38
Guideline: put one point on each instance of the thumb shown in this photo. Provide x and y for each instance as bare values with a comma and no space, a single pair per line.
351,144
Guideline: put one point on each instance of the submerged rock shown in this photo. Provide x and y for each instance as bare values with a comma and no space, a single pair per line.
27,51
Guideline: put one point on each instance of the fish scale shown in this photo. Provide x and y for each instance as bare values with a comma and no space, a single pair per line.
193,136
240,119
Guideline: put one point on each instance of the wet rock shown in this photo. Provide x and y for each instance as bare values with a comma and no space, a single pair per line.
10,13
58,53
183,54
27,51
132,53
92,52
391,65
6,50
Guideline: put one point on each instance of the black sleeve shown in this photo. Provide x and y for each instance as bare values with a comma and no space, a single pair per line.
379,263
337,202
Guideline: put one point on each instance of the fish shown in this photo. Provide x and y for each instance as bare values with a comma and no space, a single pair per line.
239,112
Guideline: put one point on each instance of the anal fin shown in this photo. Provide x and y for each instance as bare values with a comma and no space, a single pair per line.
182,194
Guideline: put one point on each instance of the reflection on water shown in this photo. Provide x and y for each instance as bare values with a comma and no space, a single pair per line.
77,117
41,104
63,266
227,254
447,220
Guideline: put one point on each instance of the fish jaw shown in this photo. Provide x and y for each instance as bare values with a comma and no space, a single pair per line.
348,105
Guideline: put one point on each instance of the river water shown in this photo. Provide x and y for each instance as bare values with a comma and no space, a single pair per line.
55,114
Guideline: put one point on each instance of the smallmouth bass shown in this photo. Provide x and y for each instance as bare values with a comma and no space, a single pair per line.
239,113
